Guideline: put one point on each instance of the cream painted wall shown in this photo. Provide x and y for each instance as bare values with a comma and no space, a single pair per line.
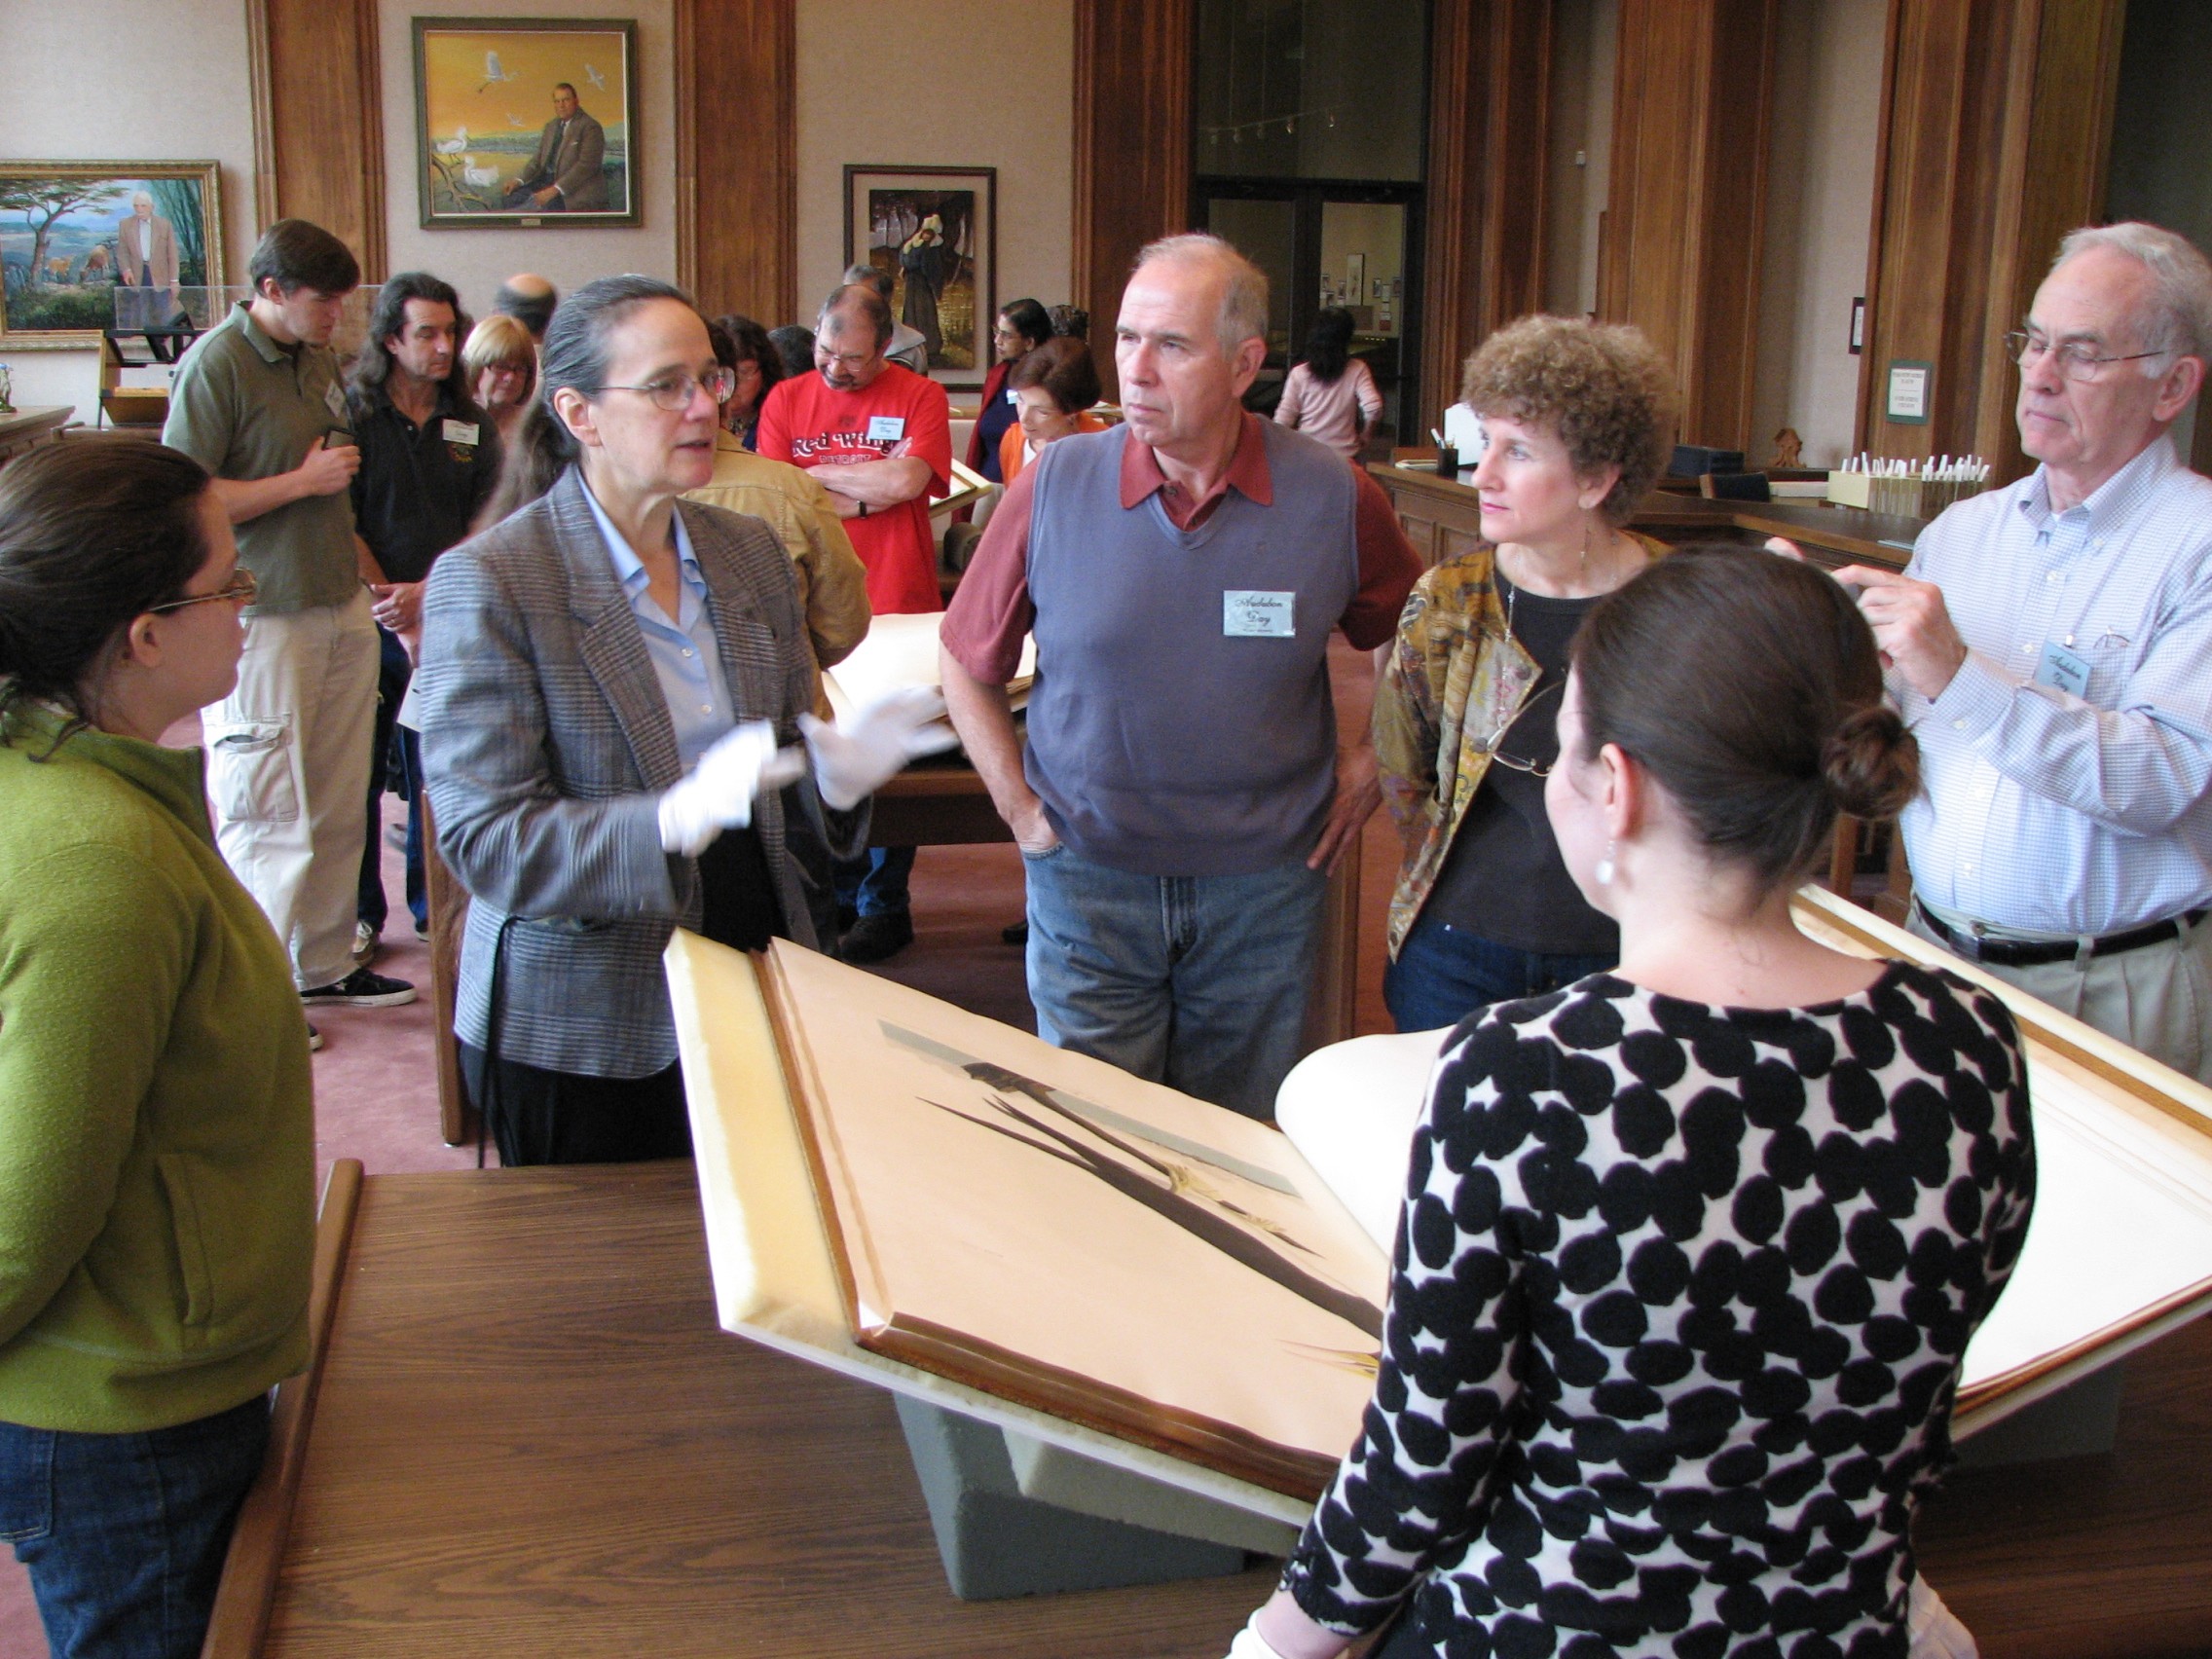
1820,221
476,262
966,84
125,80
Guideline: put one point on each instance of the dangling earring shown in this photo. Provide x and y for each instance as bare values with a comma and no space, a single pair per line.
1604,873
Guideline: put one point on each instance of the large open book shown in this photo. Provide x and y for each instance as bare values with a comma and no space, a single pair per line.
947,1206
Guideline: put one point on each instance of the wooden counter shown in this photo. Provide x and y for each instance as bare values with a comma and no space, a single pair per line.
531,1438
1443,519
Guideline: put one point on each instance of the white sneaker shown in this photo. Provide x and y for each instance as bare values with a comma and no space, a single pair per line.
367,941
314,1040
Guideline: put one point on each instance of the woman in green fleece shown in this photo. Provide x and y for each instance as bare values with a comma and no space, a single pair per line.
157,1120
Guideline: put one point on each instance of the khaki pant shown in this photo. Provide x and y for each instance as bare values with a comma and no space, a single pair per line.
287,770
2156,1000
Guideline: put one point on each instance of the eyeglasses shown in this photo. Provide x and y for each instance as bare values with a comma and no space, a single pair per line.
674,391
239,590
2075,358
1495,752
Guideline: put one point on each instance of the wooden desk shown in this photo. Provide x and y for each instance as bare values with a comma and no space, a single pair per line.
1442,518
531,1438
24,427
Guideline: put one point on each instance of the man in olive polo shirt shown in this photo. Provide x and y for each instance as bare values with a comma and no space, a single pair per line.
258,402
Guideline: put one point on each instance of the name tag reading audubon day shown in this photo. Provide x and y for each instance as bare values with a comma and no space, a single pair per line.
334,400
1258,613
2062,671
461,431
886,429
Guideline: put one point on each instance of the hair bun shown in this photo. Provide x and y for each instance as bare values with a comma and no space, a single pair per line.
1873,763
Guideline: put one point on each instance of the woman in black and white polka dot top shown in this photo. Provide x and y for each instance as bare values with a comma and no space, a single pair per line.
1691,1251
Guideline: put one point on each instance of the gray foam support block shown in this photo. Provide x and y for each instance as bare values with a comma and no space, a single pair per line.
995,1542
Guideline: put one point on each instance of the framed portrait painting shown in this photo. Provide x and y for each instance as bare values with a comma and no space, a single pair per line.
935,231
526,124
92,245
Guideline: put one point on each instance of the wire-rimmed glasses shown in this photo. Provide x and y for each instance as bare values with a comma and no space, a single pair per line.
1494,750
2076,359
674,391
239,590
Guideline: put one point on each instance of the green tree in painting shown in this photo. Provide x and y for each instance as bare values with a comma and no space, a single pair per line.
43,200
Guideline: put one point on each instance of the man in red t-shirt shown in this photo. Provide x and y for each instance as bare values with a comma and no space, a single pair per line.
879,438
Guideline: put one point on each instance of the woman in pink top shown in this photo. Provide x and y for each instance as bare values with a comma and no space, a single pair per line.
1331,394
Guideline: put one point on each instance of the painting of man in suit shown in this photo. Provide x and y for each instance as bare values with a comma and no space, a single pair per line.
146,275
568,174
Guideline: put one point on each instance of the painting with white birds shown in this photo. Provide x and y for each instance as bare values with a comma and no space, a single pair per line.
525,123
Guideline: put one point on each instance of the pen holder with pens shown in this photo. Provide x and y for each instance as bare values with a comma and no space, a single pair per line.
1914,489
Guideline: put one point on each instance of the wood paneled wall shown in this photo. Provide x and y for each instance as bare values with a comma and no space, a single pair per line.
1132,147
1997,119
319,121
1488,124
1686,206
736,176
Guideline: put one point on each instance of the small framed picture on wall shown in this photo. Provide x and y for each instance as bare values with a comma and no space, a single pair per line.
935,230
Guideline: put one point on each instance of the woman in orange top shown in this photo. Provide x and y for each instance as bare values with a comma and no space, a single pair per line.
1053,386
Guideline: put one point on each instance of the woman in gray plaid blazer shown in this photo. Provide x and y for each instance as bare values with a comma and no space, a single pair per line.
611,687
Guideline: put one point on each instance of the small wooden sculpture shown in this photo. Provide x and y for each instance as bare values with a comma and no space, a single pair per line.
1788,447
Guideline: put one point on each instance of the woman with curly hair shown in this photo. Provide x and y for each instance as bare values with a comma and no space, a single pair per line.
1575,417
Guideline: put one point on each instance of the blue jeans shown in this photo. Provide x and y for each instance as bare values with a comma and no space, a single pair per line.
1200,982
875,884
1443,973
124,1533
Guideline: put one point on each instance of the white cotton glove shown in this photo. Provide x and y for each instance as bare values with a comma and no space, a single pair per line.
1936,1631
852,761
1250,1644
719,792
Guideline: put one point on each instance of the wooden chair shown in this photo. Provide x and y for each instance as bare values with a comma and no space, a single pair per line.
243,1600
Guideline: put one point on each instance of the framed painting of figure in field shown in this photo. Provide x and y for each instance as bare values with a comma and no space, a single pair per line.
935,230
525,123
122,245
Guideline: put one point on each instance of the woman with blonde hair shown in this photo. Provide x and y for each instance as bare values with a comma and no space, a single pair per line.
1576,416
500,363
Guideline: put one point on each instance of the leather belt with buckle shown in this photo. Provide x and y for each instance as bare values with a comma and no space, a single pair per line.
2034,953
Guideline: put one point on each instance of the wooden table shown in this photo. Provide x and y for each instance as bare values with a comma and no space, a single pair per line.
531,1438
1443,519
24,427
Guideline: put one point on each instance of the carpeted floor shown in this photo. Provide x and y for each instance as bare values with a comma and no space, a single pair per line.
375,1092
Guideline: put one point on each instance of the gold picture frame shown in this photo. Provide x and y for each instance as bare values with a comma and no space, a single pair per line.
61,257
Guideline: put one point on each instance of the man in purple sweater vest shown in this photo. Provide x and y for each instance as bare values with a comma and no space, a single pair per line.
1182,796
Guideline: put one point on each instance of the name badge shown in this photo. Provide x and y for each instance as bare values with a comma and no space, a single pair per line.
1258,613
334,400
1013,397
886,429
461,431
2062,671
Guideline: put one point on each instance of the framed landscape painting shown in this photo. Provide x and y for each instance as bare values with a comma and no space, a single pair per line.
935,231
525,123
90,245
